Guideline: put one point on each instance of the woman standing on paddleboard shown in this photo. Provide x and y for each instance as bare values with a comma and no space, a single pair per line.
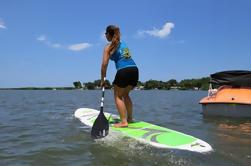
127,73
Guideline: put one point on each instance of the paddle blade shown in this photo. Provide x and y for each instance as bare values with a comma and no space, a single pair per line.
100,127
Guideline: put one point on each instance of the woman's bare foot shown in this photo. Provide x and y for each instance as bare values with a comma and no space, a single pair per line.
121,124
130,121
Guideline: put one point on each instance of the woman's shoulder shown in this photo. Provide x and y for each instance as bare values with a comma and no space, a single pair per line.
107,46
122,44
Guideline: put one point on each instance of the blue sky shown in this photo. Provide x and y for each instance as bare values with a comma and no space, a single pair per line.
53,43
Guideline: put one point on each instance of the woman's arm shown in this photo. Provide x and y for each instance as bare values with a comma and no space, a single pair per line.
104,65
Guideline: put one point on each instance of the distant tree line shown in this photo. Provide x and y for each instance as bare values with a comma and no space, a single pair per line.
40,88
186,84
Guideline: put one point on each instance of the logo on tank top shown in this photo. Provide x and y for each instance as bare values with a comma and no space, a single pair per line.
126,53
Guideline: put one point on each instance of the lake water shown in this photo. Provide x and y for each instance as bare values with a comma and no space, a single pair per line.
38,128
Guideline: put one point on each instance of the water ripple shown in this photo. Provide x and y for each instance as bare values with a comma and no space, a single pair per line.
38,128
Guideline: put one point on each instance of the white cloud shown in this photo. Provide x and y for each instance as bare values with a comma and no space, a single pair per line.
41,38
73,47
79,47
161,33
45,40
2,24
56,45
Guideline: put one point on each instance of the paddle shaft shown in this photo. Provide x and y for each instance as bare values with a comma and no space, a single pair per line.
102,98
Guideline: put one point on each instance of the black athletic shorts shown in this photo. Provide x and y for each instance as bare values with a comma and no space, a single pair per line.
126,76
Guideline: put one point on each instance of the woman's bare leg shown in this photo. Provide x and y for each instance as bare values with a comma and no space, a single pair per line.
128,103
118,96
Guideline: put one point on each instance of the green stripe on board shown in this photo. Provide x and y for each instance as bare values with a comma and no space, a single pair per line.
155,134
152,133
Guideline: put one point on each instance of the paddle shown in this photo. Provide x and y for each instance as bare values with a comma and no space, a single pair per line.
100,127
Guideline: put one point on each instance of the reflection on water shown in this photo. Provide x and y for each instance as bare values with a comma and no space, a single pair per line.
230,132
244,128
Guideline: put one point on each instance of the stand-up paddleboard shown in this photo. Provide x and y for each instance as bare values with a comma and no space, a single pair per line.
144,132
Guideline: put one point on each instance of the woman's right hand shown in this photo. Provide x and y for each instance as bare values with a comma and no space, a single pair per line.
102,82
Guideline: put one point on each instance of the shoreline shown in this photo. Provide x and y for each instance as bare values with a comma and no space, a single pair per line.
72,88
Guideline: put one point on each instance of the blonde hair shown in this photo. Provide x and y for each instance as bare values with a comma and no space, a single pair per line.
114,32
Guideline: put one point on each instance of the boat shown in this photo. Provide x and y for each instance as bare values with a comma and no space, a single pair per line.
229,94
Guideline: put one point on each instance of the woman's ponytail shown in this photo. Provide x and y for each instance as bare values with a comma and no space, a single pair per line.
115,33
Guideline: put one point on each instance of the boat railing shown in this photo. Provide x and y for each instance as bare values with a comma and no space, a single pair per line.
212,92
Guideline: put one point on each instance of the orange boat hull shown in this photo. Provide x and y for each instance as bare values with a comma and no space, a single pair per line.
228,101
